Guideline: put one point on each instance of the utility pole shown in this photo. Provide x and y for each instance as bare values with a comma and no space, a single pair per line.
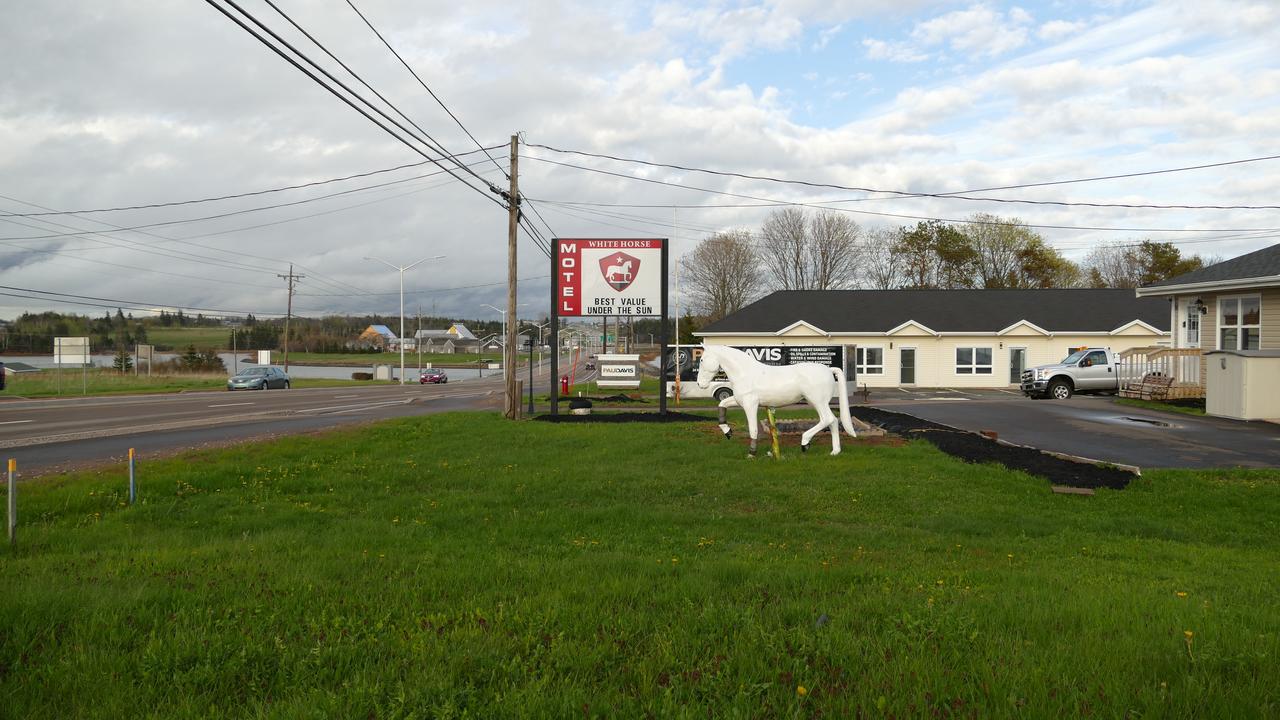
512,405
289,313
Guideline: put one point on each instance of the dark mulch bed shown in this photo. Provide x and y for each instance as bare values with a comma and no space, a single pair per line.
620,417
974,448
606,398
1185,402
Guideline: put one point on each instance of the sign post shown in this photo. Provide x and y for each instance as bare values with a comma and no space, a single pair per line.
604,278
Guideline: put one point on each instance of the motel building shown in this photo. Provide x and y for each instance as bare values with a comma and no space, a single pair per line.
946,338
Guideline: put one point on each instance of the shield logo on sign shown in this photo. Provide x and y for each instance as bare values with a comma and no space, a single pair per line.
619,269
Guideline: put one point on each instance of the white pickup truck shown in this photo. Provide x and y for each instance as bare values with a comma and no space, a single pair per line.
1085,370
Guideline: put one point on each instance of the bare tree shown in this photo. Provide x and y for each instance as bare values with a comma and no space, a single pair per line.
833,251
783,249
878,264
1113,266
722,274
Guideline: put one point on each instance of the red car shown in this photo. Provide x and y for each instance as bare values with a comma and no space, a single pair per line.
433,375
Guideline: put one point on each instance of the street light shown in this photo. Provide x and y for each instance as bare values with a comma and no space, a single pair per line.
504,329
402,269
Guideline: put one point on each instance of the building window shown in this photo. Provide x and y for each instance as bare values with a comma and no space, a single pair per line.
1239,322
869,360
973,361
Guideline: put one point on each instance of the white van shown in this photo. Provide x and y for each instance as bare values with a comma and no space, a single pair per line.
720,389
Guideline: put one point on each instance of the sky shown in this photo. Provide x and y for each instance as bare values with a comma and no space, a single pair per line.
132,102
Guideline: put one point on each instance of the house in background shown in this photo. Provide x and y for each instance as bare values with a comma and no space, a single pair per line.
1230,312
1234,305
457,331
379,336
946,338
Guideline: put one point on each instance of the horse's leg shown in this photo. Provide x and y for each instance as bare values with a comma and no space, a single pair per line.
750,407
725,404
825,418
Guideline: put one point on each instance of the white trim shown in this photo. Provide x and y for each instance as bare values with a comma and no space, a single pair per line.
1236,284
911,323
1240,324
881,365
802,323
1131,323
974,364
1029,324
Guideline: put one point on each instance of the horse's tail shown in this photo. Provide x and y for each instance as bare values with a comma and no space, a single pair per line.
846,420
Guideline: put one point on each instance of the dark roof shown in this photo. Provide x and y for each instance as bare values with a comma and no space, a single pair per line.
852,311
1259,263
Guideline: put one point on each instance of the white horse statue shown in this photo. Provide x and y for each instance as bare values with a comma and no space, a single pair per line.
756,384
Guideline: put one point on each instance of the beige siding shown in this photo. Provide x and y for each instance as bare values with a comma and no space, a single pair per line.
935,356
1271,319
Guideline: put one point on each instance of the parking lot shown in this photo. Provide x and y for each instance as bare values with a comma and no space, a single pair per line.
1094,426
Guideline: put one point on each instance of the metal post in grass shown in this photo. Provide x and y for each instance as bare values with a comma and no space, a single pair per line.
133,488
13,501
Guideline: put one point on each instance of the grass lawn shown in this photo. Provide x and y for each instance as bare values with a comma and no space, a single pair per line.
462,565
1157,405
178,338
108,382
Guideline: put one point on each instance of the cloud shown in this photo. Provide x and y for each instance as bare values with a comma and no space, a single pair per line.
978,30
1058,29
893,52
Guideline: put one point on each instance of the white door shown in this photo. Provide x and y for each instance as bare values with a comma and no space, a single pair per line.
1190,323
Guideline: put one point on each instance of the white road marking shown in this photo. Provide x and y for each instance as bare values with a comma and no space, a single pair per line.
230,404
346,408
946,399
344,397
15,422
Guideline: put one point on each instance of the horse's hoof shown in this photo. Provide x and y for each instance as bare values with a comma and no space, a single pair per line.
835,452
804,448
751,454
728,431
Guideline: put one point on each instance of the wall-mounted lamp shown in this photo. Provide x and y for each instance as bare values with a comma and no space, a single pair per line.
1001,346
891,346
1200,306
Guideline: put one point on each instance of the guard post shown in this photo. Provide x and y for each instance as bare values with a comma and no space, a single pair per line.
133,488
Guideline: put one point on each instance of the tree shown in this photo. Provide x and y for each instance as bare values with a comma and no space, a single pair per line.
879,265
809,252
782,249
934,254
1128,266
999,244
721,274
122,361
1041,266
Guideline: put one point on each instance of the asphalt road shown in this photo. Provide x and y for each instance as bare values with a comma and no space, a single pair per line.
61,433
1095,427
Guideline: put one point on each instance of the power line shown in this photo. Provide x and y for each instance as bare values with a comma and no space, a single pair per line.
775,202
252,193
231,213
337,94
430,291
943,196
435,144
136,304
424,84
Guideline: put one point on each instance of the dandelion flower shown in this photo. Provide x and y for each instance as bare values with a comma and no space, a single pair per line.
1181,594
801,691
1188,634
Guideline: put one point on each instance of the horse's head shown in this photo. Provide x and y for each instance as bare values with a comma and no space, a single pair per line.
708,367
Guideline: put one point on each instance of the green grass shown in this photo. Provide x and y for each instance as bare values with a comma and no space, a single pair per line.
178,338
1157,405
110,382
460,565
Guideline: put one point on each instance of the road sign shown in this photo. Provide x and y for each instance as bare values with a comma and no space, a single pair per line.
609,277
71,351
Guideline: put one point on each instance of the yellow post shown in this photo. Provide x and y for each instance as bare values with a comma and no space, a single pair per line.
13,501
133,489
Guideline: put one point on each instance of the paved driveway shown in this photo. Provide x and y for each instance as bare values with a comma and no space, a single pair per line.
1093,426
